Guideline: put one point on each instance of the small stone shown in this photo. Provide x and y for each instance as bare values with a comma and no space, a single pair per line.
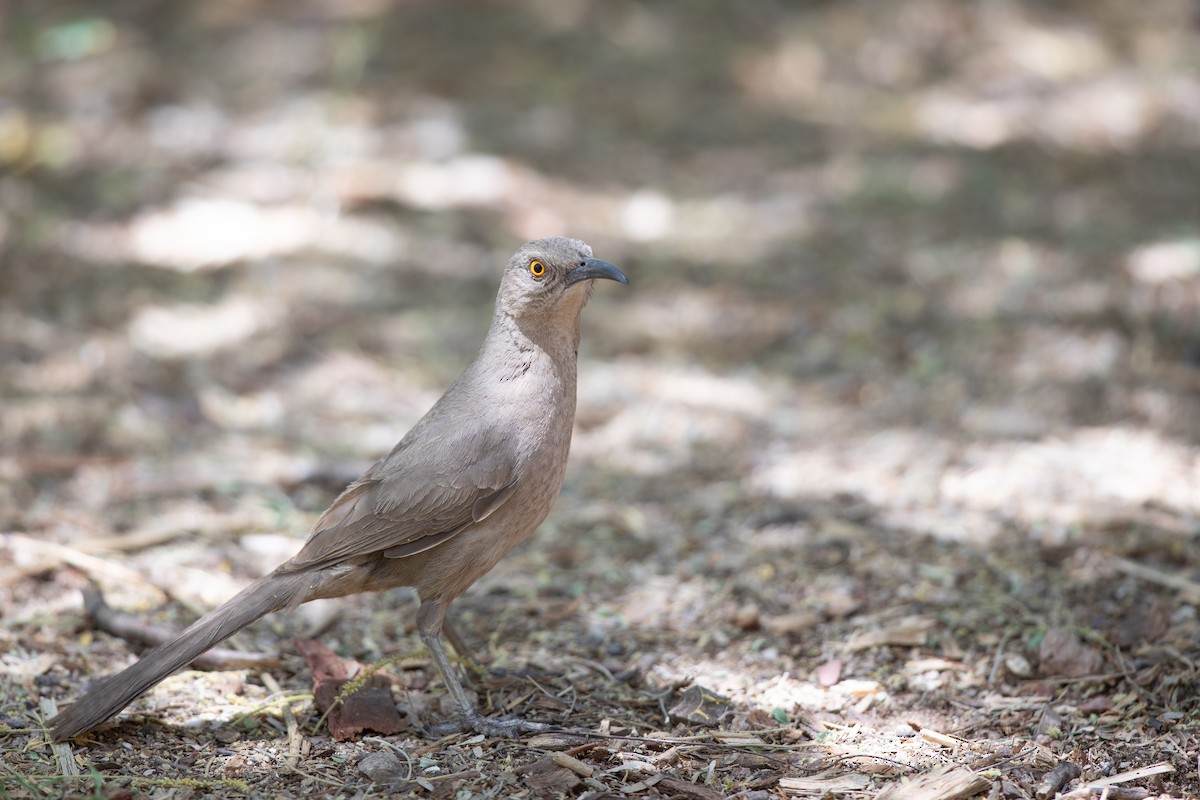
746,617
1062,653
1018,665
381,767
226,735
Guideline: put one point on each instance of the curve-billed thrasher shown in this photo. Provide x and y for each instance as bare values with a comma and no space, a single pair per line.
470,481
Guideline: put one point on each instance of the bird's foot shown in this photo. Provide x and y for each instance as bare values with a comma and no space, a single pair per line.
506,727
503,673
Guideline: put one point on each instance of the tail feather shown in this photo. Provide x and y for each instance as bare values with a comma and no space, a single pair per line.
265,595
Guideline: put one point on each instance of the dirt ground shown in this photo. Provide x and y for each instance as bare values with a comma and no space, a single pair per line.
886,474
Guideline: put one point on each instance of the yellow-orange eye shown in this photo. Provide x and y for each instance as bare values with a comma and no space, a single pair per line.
536,268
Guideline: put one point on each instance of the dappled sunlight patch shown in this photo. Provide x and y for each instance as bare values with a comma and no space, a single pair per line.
691,320
355,404
226,461
200,233
1166,285
75,367
665,602
741,230
194,234
947,522
245,411
1054,354
753,686
468,180
187,330
1068,479
349,383
1165,262
889,467
648,215
655,417
1111,113
1075,477
1026,78
987,278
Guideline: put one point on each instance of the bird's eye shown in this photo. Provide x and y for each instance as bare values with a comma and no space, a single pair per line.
536,268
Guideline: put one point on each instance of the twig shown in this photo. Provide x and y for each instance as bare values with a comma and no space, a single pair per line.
289,718
1138,689
570,707
168,527
53,554
998,659
1108,790
1189,590
1105,793
1133,774
132,629
698,741
595,666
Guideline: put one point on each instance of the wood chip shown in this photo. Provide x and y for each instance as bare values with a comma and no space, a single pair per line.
790,624
950,782
1053,781
700,706
738,738
1134,774
678,787
64,756
545,778
907,632
939,738
556,741
641,786
574,764
668,756
824,784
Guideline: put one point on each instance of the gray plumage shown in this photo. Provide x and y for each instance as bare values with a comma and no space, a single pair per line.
471,480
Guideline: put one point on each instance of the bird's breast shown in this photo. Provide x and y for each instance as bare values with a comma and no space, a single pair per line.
538,406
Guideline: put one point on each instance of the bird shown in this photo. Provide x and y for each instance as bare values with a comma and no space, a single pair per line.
473,478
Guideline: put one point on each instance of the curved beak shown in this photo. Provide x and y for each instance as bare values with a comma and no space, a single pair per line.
592,268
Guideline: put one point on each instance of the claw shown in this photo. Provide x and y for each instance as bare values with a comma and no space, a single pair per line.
508,727
492,727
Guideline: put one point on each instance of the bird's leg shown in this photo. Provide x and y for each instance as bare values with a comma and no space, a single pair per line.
476,670
430,623
466,655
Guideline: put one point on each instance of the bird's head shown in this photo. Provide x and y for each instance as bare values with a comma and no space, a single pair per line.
550,277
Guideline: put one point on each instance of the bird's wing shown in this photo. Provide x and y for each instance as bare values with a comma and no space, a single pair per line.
415,499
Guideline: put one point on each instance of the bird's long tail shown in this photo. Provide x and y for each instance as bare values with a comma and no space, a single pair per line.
265,595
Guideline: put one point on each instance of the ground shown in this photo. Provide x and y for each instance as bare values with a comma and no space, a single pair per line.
886,466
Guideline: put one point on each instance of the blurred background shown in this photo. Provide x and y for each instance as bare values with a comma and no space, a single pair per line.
915,310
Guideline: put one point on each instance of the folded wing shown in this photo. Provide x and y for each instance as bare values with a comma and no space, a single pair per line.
411,501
